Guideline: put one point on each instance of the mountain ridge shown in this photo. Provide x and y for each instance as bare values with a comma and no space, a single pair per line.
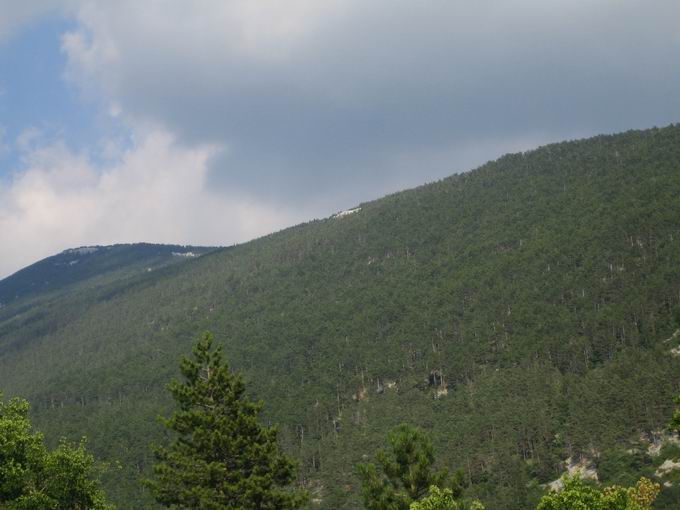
517,311
41,276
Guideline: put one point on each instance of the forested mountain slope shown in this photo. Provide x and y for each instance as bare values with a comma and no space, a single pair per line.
523,312
78,265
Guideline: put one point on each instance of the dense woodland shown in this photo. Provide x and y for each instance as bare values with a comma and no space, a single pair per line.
522,313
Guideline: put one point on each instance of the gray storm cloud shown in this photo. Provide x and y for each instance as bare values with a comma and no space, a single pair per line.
323,97
247,116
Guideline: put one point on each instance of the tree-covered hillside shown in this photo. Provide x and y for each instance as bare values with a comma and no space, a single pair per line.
101,263
524,313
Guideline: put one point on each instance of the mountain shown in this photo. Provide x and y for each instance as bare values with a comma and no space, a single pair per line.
526,313
96,264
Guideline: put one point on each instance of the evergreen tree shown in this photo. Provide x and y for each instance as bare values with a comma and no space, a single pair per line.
222,457
404,472
675,421
34,478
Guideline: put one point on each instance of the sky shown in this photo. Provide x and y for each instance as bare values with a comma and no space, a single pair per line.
216,121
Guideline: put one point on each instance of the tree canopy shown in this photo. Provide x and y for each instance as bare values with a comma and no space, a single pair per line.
35,478
577,495
442,499
404,471
675,421
221,456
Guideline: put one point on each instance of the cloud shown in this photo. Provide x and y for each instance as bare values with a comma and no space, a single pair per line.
156,192
265,113
316,98
28,138
17,14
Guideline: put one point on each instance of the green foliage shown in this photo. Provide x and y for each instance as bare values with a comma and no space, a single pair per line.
404,471
576,495
221,458
520,312
34,478
624,467
437,499
675,421
442,499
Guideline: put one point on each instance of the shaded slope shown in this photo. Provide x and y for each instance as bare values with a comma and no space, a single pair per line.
74,266
532,296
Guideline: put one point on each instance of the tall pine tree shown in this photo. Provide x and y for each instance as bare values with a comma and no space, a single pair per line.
404,471
221,457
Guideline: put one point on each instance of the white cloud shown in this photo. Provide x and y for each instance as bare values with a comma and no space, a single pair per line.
155,193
